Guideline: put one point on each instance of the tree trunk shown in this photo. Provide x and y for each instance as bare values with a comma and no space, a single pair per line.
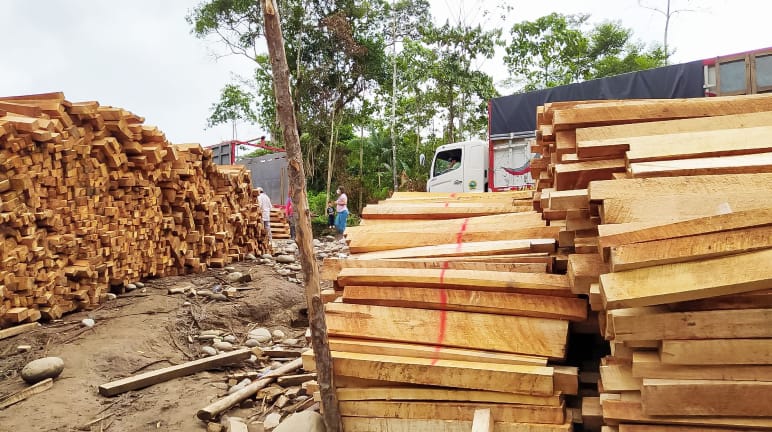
361,163
329,157
304,237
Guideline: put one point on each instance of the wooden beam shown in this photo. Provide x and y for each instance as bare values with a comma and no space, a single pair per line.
332,266
158,376
584,270
646,364
670,428
521,335
26,392
749,300
619,378
452,411
743,323
17,330
568,308
430,211
531,380
692,248
579,175
717,352
431,352
666,207
687,281
741,164
621,411
631,189
482,421
497,247
370,424
707,397
413,393
570,199
473,224
527,283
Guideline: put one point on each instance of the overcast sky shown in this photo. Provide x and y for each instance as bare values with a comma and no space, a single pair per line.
140,54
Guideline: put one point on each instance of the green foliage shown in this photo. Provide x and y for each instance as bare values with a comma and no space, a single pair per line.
235,104
558,49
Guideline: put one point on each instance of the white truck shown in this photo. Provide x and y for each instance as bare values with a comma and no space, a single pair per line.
503,163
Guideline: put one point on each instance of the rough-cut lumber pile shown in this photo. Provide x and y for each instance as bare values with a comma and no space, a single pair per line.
431,321
91,198
676,267
279,226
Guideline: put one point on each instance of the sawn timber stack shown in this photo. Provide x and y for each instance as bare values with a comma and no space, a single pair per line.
670,240
449,305
93,199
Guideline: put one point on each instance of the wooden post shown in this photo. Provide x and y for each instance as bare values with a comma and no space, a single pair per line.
304,234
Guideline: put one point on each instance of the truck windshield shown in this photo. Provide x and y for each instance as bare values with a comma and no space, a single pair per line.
447,161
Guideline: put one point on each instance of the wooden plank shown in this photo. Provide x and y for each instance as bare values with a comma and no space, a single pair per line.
637,111
724,142
17,330
570,199
481,223
619,378
692,248
579,175
687,281
431,352
332,266
26,393
584,270
413,393
673,208
370,424
717,352
742,164
438,211
729,324
646,364
452,411
609,141
498,247
157,376
482,420
527,283
572,309
631,189
670,428
524,379
621,411
505,196
521,335
707,397
749,300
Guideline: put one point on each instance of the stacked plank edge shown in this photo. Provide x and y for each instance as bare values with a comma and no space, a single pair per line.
449,305
279,226
665,207
92,199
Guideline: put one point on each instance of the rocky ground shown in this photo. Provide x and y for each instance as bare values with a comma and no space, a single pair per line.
162,322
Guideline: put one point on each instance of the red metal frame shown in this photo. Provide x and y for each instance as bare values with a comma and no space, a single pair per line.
250,143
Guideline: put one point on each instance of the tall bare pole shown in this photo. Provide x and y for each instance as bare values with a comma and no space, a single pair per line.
393,93
304,238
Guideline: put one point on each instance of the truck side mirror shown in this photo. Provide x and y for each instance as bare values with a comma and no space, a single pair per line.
422,159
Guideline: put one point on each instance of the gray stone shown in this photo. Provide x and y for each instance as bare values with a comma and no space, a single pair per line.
271,420
284,272
40,369
218,296
234,277
87,322
111,296
329,238
252,359
206,337
229,338
266,256
317,243
304,421
246,278
294,267
131,287
260,334
208,350
251,257
213,332
223,346
187,303
291,342
278,334
230,269
251,343
322,255
139,284
285,259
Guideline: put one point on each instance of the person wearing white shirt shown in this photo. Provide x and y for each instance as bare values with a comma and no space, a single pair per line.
265,207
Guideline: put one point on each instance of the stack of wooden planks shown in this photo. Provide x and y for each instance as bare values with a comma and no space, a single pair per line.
279,226
448,305
91,198
672,247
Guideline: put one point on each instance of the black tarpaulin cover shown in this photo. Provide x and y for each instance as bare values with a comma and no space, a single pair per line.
517,113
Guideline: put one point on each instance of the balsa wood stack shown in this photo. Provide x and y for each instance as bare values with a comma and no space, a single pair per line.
449,306
91,198
279,226
671,241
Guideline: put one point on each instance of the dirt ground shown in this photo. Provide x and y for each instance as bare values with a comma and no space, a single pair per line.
143,330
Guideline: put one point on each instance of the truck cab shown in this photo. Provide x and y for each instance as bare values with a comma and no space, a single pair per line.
459,167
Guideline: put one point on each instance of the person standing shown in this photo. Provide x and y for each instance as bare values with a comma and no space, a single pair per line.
330,215
342,208
265,207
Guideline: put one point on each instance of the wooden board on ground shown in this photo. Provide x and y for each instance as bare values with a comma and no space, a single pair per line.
528,283
452,411
687,281
443,394
569,308
17,330
370,424
717,352
531,380
707,397
520,335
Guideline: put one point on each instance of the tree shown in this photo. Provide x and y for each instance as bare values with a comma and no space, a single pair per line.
234,105
668,13
559,49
